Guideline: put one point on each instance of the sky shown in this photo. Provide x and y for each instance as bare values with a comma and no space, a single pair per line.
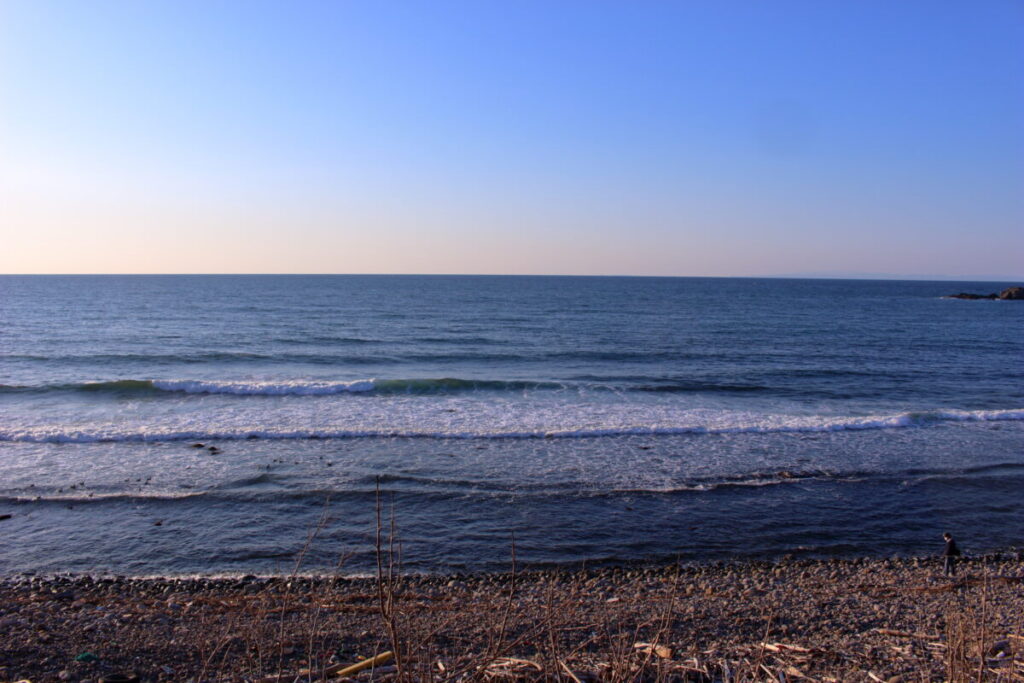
717,138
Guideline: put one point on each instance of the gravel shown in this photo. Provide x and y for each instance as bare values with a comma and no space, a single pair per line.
891,619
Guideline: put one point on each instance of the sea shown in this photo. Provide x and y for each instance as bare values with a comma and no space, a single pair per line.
221,425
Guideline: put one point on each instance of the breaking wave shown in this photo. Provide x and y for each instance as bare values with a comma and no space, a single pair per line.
428,385
765,425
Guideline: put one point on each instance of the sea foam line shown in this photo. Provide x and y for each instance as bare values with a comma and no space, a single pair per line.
773,425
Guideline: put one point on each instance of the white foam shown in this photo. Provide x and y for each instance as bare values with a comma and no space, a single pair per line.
497,422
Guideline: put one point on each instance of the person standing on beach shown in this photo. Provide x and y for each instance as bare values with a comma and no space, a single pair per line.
949,555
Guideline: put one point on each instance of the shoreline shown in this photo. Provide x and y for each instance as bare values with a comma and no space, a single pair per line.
831,619
1007,554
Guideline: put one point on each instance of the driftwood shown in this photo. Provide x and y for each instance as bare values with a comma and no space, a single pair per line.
655,649
783,647
339,670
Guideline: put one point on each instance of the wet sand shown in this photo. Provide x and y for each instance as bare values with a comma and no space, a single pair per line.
861,619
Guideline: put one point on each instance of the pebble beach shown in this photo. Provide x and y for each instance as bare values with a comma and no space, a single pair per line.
836,620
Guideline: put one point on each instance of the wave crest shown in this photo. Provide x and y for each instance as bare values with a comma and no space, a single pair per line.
772,425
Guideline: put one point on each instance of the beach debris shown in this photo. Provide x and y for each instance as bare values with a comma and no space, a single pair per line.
783,647
569,672
86,657
119,678
905,634
655,649
506,666
999,649
341,670
338,670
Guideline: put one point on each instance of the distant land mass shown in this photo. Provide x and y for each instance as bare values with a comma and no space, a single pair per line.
857,275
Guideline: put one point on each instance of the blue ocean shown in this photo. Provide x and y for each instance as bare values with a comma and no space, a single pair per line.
214,424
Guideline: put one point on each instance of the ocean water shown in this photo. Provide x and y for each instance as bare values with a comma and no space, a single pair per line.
591,420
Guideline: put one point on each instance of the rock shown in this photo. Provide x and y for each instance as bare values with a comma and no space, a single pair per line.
198,445
3,517
64,675
971,297
1012,294
1008,294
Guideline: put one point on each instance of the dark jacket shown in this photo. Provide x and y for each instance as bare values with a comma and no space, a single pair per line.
951,549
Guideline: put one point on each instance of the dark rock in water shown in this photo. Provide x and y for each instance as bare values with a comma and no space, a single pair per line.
1008,294
1012,294
3,517
214,450
198,445
972,297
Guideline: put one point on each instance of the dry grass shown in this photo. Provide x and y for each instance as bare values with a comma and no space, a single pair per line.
976,649
799,622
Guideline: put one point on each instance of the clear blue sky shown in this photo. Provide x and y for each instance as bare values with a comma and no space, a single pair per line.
662,138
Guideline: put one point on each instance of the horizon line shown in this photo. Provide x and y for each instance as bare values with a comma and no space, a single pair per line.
879,277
